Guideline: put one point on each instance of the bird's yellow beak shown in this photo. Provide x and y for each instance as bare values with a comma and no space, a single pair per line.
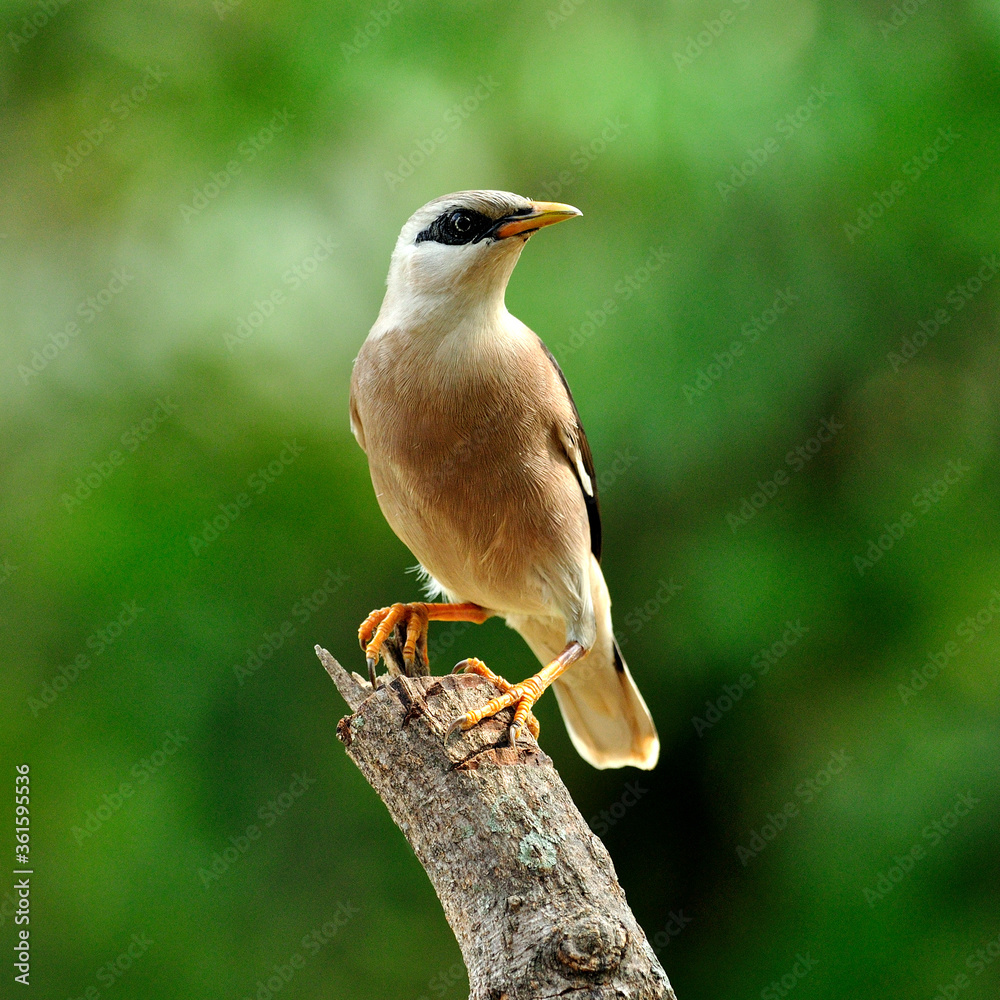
543,213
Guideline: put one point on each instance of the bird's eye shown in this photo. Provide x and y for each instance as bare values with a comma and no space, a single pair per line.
457,226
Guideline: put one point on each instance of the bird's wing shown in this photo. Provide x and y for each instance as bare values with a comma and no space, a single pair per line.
577,449
356,429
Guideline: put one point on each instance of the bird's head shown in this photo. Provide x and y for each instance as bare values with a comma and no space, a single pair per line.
457,252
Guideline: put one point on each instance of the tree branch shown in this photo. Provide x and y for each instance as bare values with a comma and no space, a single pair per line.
528,889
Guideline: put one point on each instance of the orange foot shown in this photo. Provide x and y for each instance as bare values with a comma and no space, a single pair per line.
378,626
474,666
524,694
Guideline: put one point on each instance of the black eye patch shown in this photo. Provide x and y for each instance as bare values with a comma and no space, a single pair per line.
457,226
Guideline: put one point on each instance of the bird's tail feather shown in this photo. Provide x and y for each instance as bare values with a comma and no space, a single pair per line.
606,716
607,719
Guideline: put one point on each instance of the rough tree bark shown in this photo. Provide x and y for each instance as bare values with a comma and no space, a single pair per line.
528,889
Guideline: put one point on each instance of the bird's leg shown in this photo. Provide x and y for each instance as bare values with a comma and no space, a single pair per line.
378,626
524,694
474,666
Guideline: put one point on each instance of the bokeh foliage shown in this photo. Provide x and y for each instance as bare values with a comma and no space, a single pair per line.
739,147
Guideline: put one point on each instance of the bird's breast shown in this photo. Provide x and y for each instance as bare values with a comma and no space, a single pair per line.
465,462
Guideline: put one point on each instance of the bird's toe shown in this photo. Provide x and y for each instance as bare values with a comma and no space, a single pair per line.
456,725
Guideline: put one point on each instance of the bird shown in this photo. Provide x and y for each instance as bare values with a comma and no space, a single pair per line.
481,466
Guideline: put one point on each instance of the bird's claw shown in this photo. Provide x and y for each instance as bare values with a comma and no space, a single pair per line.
453,728
379,625
511,694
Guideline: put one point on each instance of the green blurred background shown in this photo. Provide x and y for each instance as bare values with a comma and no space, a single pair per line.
197,207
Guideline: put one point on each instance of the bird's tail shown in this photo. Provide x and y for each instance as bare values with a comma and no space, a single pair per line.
606,716
607,719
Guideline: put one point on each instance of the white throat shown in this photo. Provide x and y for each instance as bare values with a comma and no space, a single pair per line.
440,290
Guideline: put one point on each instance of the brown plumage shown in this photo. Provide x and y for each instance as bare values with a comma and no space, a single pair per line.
481,466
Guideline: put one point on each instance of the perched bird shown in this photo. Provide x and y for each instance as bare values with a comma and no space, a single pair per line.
481,467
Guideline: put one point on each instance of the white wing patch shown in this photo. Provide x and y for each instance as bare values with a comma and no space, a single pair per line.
567,436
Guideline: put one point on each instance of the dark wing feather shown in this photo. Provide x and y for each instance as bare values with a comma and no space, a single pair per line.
593,508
